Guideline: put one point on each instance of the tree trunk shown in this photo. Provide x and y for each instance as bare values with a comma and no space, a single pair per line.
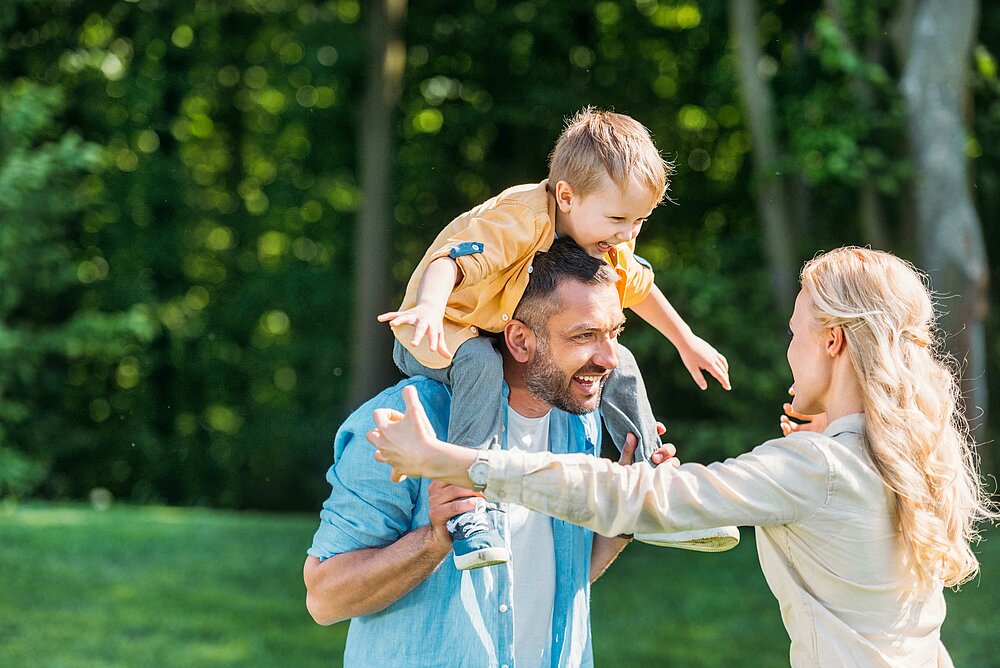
371,359
772,203
870,218
935,87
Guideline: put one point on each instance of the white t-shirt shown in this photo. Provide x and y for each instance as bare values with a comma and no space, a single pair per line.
533,561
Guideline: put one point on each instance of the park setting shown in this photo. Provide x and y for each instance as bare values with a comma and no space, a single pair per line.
205,205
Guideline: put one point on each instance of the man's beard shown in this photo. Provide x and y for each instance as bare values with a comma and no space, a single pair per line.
547,381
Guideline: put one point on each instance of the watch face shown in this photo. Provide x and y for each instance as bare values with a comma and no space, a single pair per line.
479,473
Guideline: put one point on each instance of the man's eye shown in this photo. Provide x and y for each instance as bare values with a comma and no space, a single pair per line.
791,334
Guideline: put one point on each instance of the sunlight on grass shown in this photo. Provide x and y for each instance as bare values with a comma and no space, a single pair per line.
195,587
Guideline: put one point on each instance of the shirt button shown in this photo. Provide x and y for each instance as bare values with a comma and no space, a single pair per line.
504,666
503,607
505,317
473,330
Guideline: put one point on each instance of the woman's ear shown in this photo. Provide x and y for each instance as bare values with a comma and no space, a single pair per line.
520,340
564,196
835,341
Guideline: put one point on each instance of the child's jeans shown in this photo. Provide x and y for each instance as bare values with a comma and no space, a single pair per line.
476,380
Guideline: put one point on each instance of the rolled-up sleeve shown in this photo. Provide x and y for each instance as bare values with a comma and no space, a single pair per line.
776,483
635,276
491,242
365,509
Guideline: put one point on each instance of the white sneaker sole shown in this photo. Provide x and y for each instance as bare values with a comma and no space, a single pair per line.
488,556
719,539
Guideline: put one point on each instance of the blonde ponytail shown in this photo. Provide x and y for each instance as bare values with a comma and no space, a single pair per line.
915,430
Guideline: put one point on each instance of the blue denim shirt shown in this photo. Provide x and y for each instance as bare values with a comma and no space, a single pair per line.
453,619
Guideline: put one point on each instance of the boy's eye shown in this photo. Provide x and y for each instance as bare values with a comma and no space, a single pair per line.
791,334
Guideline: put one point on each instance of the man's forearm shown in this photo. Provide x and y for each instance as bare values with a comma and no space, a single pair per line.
604,551
367,581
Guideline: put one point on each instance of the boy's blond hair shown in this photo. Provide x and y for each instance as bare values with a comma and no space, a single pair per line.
597,143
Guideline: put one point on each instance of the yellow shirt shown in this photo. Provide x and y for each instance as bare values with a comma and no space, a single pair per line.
494,245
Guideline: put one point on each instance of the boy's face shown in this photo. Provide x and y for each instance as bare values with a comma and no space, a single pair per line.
603,218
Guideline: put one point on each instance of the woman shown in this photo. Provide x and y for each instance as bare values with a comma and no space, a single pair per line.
858,527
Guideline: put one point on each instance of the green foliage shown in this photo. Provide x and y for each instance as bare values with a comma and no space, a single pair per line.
41,266
178,192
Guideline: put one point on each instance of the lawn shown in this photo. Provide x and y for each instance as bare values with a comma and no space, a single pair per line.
190,587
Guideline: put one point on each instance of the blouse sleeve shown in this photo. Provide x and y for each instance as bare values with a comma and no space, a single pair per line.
778,482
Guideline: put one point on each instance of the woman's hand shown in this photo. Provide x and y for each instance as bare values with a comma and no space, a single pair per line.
816,423
406,442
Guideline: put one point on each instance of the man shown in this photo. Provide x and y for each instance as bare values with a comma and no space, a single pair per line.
379,555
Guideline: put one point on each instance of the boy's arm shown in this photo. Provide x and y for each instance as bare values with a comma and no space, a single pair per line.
695,352
427,316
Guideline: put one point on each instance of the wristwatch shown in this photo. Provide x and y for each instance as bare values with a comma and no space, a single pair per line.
479,471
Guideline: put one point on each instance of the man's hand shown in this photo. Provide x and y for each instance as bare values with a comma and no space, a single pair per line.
815,423
666,452
698,355
445,502
427,321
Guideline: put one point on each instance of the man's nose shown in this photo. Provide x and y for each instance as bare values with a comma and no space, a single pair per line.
606,355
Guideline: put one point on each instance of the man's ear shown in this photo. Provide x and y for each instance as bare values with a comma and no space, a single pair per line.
835,341
565,196
520,340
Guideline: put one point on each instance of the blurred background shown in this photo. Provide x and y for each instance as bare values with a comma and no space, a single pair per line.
205,203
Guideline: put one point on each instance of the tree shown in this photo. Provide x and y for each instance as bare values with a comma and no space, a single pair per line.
372,343
935,85
43,328
772,202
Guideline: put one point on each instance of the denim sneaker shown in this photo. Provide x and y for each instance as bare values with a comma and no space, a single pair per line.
475,542
718,539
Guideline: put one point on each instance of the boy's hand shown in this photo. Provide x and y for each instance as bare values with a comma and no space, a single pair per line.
426,321
698,355
815,423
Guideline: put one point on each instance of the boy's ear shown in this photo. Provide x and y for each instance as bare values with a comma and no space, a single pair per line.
564,196
520,340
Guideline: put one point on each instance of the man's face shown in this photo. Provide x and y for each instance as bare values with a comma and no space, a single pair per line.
574,357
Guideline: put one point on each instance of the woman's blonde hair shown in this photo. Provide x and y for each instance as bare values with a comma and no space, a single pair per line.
915,430
597,144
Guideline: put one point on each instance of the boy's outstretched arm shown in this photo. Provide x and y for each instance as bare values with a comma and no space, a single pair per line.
439,279
696,353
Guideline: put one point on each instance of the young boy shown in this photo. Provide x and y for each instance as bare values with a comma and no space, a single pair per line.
605,178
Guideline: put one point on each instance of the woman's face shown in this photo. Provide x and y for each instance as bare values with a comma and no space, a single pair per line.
808,358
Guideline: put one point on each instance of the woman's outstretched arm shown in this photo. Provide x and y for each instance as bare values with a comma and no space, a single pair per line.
778,482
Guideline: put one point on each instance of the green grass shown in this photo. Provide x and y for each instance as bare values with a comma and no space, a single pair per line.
190,587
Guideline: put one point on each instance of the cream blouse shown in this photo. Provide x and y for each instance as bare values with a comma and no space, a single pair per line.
826,533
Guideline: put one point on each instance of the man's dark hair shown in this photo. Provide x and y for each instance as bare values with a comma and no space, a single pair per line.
563,261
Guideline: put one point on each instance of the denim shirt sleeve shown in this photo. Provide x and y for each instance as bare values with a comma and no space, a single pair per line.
365,509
